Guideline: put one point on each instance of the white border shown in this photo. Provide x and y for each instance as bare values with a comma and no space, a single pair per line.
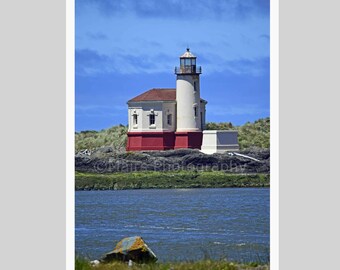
70,129
274,134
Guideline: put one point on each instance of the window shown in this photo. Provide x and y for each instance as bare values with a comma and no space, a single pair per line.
170,119
135,119
152,119
195,109
195,86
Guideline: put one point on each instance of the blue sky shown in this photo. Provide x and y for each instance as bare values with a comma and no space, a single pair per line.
125,47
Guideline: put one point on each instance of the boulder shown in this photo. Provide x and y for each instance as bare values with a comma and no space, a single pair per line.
131,248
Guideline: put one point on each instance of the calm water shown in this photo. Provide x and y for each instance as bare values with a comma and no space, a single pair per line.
177,224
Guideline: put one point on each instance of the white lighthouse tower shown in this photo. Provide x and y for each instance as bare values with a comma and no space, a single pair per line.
189,113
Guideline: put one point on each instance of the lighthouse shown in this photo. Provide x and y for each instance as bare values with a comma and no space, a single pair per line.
190,110
173,118
169,118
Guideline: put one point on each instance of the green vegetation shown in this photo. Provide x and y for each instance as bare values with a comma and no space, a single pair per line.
255,134
81,264
219,126
250,135
168,179
91,139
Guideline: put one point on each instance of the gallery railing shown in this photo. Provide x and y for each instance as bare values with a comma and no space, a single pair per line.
188,70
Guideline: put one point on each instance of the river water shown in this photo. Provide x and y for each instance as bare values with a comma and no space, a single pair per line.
177,224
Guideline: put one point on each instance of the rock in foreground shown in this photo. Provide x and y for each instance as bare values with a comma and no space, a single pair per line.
131,248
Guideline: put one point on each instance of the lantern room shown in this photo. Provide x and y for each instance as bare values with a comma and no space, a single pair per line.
188,64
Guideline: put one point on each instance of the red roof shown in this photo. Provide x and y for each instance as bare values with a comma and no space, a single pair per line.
157,94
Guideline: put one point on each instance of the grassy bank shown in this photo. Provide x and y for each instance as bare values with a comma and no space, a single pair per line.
200,265
169,179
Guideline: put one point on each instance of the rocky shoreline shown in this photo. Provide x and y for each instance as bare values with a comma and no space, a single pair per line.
105,160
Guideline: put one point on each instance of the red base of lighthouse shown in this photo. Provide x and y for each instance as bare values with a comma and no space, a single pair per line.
144,141
140,141
188,140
